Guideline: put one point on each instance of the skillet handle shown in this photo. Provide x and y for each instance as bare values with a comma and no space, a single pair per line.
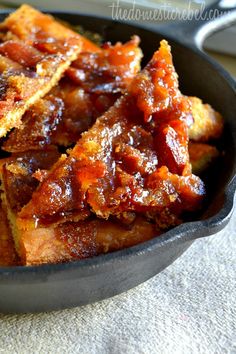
209,20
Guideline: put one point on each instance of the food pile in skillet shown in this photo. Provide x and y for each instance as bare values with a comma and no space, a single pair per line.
99,155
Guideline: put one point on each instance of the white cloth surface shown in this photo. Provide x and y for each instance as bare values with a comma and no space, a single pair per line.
188,308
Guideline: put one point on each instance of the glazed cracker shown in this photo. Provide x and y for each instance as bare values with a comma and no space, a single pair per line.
126,162
34,53
59,243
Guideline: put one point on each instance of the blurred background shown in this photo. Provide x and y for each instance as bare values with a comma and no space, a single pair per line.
222,45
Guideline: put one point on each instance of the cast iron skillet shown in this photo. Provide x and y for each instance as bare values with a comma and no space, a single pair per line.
48,287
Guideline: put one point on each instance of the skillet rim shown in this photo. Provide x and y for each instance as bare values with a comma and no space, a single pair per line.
187,231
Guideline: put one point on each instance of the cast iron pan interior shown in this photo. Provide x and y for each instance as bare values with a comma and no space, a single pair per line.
47,287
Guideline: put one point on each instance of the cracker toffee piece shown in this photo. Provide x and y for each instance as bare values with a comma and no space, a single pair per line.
92,84
202,156
66,241
38,125
208,123
62,242
133,160
78,240
35,51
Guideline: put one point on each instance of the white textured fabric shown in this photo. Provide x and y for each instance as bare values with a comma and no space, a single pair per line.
188,308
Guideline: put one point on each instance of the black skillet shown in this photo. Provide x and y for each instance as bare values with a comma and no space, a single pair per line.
48,287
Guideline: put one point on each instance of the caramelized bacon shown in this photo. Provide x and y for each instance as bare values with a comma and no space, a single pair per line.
21,53
156,88
35,52
96,80
108,71
171,143
17,175
115,64
81,110
101,175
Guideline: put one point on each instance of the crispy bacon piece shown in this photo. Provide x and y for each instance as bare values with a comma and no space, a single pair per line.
35,51
117,167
